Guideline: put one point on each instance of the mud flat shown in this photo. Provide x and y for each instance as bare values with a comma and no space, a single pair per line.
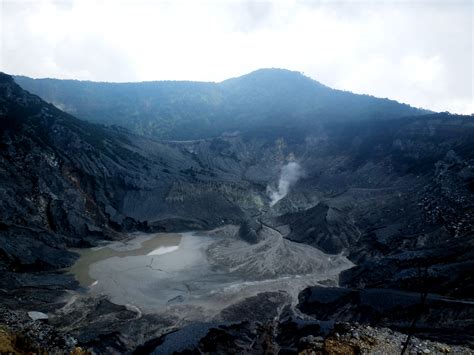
197,275
135,245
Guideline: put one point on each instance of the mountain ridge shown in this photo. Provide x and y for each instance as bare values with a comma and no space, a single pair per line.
191,110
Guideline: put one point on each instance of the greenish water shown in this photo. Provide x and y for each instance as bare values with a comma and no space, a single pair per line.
151,244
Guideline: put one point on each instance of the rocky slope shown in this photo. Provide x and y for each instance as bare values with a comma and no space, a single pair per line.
67,183
290,337
394,195
71,177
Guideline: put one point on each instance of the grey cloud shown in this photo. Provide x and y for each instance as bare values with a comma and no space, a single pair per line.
250,15
93,55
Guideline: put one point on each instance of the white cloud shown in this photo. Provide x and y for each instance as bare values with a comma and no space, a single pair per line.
419,52
421,70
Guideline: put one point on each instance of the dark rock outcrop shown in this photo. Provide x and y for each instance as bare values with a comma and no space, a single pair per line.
438,317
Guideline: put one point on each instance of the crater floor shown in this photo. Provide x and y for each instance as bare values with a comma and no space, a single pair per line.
197,275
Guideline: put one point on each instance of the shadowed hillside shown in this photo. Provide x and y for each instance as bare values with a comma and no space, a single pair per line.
191,110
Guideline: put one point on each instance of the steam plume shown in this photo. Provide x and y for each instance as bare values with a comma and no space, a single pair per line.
290,174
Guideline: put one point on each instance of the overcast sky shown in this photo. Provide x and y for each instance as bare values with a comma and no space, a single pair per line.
417,52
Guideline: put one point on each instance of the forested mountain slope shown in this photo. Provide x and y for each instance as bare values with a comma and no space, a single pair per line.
180,110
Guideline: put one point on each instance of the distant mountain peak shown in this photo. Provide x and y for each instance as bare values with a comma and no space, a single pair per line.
269,74
274,71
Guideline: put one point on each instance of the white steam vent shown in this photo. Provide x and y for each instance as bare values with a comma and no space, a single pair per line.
290,174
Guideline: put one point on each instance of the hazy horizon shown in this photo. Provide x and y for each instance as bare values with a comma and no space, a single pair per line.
415,52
